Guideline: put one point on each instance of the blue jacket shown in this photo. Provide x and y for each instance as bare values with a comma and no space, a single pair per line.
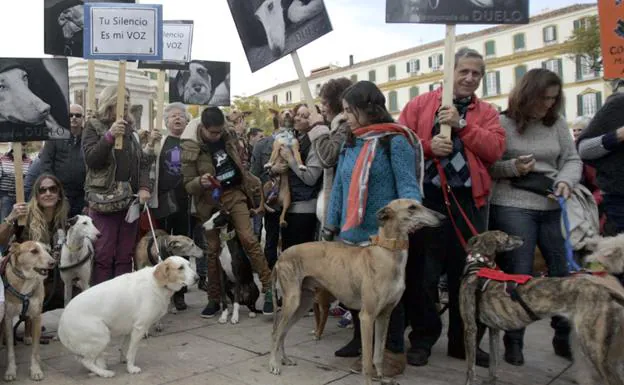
390,178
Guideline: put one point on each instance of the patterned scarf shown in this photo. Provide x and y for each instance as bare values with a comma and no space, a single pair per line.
358,189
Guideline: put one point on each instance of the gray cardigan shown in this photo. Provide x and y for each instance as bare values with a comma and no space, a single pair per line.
555,155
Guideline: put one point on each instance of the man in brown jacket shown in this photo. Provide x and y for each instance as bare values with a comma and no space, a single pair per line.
209,151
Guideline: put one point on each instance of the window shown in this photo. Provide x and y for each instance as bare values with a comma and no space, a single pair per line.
490,48
354,78
491,83
275,99
550,34
413,92
518,42
317,90
584,70
372,76
288,96
413,66
589,103
392,101
519,72
435,86
554,65
392,72
435,62
584,23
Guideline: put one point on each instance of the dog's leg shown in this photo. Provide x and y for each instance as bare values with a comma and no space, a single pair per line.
494,355
224,315
135,337
123,348
381,333
297,154
366,327
307,299
68,291
285,198
467,308
274,154
36,374
235,314
28,332
321,311
11,371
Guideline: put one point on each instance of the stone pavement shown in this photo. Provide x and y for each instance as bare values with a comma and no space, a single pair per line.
192,350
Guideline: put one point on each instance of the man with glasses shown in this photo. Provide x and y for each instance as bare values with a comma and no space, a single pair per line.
64,159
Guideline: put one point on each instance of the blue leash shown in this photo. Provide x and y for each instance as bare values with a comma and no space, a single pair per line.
572,265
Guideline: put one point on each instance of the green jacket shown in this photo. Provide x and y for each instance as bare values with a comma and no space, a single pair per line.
196,162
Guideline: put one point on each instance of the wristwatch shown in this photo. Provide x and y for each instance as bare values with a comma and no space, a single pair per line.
462,123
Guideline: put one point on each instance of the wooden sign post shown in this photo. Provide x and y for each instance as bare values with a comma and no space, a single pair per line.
161,100
19,177
121,100
91,88
305,87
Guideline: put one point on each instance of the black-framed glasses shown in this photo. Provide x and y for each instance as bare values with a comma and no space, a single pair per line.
71,115
51,190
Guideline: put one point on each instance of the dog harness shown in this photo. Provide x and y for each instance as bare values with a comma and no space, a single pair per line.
511,283
79,263
24,298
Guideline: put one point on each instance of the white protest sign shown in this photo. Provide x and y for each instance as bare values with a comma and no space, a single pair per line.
123,32
177,41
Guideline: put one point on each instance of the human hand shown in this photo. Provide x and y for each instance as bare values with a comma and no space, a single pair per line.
19,210
118,128
441,146
449,115
155,136
279,168
563,190
524,167
144,196
620,134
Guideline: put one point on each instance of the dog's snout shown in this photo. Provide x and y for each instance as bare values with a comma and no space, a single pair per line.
276,51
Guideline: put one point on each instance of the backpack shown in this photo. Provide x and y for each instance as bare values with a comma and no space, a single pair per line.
583,218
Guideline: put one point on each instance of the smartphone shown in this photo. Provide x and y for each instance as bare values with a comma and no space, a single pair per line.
526,158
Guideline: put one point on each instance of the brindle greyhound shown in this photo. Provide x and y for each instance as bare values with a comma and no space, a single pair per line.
371,279
593,304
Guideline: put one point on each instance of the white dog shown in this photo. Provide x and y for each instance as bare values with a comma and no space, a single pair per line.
124,306
77,254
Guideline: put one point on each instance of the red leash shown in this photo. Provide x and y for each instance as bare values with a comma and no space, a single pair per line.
446,191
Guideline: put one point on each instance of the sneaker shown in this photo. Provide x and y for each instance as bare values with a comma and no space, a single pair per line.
337,311
267,309
211,309
202,284
346,321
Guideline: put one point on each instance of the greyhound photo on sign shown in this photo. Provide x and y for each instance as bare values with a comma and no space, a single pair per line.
458,11
63,25
271,29
34,99
205,83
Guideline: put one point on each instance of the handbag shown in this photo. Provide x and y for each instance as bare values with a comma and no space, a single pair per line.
113,201
534,182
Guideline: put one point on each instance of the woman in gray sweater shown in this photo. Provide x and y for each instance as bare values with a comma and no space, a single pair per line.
539,149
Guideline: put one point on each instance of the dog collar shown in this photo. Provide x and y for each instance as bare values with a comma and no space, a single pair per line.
390,243
71,249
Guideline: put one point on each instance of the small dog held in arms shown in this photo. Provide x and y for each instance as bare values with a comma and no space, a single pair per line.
277,190
375,285
238,283
77,254
593,304
23,270
124,306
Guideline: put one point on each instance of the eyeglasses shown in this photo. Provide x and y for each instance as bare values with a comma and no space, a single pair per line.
51,190
75,115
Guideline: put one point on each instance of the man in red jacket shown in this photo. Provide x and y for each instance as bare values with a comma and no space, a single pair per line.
477,140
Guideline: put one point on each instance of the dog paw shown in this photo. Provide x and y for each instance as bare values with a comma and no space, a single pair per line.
274,367
303,168
268,165
158,328
36,374
106,373
252,314
10,374
234,319
133,369
173,310
289,361
223,320
28,340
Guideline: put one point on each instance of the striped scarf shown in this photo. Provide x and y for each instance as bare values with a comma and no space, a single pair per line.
358,188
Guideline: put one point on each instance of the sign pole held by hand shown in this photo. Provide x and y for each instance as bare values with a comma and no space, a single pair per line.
161,100
91,88
121,100
449,71
19,177
304,84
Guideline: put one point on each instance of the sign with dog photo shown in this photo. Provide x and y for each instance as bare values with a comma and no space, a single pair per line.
271,29
63,25
35,99
205,83
458,11
123,32
177,42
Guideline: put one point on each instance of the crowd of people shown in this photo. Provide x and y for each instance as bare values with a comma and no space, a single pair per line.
497,170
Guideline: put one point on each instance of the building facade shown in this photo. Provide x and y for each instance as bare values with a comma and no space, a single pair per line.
509,51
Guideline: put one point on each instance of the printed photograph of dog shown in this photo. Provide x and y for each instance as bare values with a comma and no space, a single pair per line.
205,83
63,25
271,29
34,102
458,11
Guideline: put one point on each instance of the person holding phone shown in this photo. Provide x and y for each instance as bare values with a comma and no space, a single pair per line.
540,163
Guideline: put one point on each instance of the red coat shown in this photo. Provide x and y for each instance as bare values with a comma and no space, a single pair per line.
483,136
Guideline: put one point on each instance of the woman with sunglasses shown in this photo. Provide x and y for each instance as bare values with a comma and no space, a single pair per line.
46,214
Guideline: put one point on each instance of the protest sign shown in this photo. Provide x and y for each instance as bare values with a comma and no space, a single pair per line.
177,42
611,14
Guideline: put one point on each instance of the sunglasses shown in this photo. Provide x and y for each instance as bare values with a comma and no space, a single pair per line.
51,190
75,115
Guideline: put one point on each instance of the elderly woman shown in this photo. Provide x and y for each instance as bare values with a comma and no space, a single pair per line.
46,214
113,178
169,202
539,161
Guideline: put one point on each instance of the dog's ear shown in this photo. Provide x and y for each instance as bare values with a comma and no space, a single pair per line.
484,244
174,244
384,214
161,272
72,221
14,248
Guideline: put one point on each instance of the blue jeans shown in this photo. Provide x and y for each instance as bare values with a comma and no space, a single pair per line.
537,228
614,207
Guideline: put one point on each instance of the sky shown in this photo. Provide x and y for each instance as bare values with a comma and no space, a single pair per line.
359,29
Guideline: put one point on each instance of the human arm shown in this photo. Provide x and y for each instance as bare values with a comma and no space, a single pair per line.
403,162
409,118
334,208
327,144
571,167
191,177
96,147
7,227
600,146
313,169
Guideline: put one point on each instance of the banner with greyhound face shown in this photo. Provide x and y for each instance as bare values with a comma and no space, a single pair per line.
458,11
34,99
63,25
205,83
271,29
